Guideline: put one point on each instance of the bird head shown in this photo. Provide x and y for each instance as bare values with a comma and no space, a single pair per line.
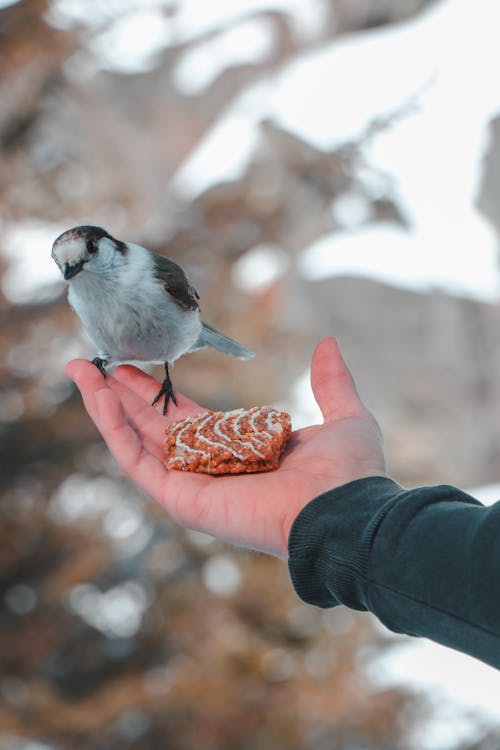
87,248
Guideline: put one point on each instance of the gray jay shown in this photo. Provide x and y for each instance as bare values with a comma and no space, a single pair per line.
134,304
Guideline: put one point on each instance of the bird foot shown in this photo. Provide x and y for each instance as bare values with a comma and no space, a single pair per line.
166,390
100,364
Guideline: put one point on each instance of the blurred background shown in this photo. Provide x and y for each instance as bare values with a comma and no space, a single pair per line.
317,167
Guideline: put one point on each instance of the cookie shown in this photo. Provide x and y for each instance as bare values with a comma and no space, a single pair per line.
232,442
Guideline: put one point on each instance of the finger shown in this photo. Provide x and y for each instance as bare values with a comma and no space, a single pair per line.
126,445
89,380
147,388
140,413
332,383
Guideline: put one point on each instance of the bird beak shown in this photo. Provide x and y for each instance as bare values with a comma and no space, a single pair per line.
70,271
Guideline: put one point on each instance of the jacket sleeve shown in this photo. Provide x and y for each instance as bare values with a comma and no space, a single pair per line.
425,561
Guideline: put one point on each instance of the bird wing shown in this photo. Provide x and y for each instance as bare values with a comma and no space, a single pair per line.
175,282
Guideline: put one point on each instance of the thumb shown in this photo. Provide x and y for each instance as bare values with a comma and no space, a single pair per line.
332,383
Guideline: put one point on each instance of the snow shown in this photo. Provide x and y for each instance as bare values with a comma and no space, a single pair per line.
373,74
431,152
259,268
195,18
31,274
127,36
348,83
94,14
438,105
133,42
351,209
222,156
301,404
250,42
463,691
433,257
431,156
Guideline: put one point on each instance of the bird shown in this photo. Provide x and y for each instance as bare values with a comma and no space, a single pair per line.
136,305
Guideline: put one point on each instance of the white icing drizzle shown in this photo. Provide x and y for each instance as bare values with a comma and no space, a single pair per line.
270,424
187,448
225,445
246,440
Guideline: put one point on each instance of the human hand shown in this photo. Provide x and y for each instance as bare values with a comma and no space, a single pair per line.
250,510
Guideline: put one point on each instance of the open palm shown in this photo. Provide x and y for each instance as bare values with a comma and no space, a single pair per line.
252,510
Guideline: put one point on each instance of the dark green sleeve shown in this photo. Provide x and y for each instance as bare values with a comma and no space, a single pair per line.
425,561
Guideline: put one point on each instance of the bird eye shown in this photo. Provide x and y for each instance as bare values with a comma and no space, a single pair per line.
91,247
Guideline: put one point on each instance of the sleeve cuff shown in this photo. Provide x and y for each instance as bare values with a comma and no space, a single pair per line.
330,541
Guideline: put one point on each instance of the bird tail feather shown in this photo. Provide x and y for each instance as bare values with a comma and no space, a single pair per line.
210,337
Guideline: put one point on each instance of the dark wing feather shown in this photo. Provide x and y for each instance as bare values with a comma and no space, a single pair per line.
175,282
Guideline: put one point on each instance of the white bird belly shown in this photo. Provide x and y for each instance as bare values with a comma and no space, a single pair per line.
140,327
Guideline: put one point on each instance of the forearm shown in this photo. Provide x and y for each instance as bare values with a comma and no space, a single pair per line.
424,561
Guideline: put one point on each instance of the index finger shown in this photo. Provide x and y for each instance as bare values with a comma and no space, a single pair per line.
89,381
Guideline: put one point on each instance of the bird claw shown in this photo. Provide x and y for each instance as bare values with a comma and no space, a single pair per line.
167,390
101,365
